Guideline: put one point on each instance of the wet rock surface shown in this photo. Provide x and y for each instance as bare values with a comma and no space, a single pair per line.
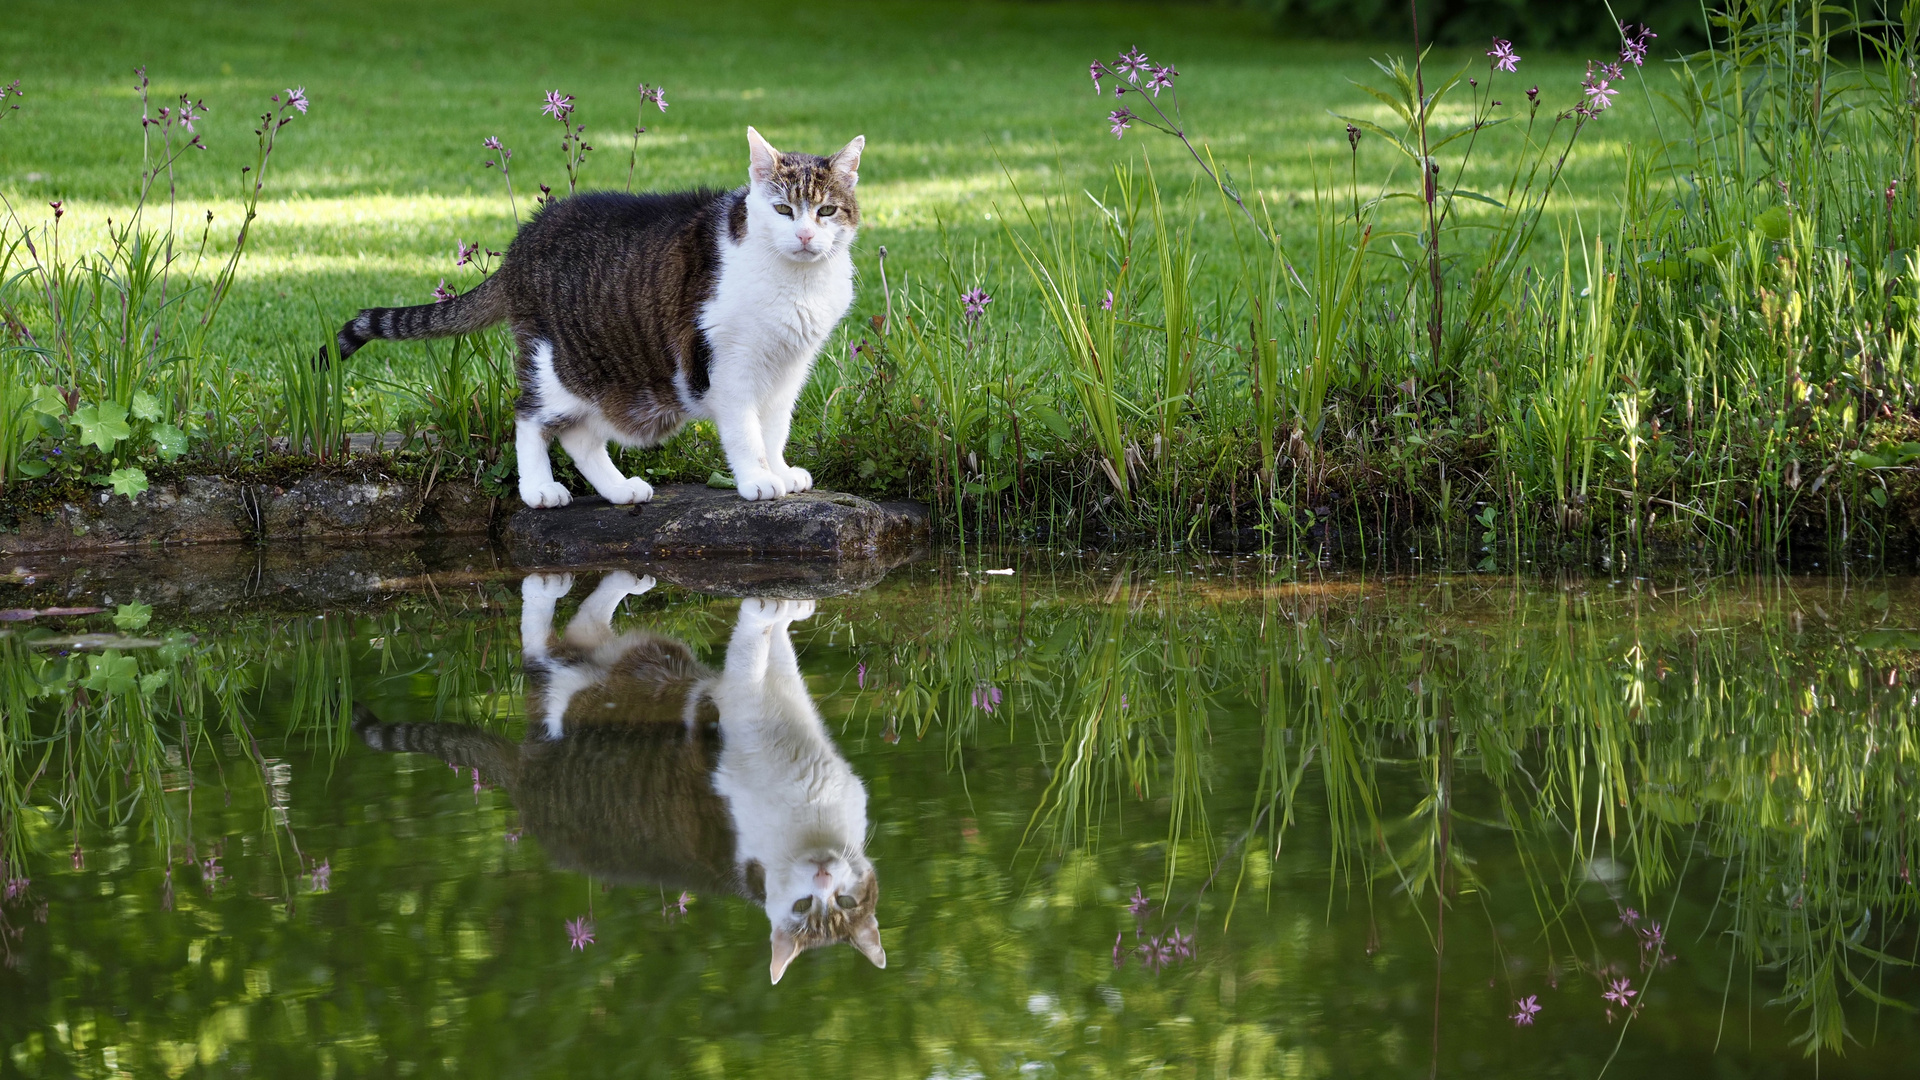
299,576
206,544
304,577
772,578
204,510
685,520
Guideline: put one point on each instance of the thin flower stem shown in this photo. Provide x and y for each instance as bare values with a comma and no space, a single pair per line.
1174,129
1427,185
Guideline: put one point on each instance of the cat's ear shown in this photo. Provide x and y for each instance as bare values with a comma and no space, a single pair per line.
762,158
846,163
785,948
866,938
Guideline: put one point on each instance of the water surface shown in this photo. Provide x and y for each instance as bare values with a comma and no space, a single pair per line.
1201,817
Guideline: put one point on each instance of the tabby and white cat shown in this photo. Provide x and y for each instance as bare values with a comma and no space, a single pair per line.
634,314
643,766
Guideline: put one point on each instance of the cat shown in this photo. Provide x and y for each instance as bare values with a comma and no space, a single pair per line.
633,314
643,766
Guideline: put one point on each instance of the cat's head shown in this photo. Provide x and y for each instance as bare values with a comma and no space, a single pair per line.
819,900
803,204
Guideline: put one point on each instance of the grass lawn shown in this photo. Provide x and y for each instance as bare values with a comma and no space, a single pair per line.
369,193
1720,302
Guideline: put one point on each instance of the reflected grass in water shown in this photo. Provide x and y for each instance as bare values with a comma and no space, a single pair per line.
1272,765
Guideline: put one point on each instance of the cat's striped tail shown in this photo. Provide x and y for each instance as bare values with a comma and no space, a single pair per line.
475,309
460,745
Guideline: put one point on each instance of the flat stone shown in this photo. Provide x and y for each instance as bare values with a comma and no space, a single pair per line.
690,521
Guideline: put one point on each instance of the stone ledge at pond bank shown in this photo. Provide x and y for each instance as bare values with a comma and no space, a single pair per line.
212,510
682,520
688,520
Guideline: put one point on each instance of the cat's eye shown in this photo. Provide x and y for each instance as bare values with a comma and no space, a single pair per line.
802,905
828,211
783,209
845,901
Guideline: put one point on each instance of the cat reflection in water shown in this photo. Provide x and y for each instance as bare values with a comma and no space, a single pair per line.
643,766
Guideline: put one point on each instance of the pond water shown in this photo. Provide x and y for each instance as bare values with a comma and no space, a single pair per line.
1095,817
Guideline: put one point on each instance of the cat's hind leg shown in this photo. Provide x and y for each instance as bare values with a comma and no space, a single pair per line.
538,593
538,488
586,443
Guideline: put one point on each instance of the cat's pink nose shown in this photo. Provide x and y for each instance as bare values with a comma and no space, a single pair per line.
805,238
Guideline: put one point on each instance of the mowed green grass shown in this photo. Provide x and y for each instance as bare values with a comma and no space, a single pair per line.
369,193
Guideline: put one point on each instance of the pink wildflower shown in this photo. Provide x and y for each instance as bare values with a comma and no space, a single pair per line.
1621,992
1633,46
1652,936
1503,56
1156,953
580,932
1599,94
975,301
1524,1010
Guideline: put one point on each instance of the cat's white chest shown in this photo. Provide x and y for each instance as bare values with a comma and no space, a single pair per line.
772,311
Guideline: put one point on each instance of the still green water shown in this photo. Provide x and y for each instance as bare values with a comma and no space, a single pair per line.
1369,820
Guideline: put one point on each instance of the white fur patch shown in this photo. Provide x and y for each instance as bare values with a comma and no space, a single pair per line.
766,321
797,806
582,428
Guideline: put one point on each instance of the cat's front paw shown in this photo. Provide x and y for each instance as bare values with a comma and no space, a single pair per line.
545,586
775,611
627,583
754,487
797,479
628,491
541,495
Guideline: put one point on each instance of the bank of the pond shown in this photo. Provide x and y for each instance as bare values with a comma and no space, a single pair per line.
292,505
373,503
